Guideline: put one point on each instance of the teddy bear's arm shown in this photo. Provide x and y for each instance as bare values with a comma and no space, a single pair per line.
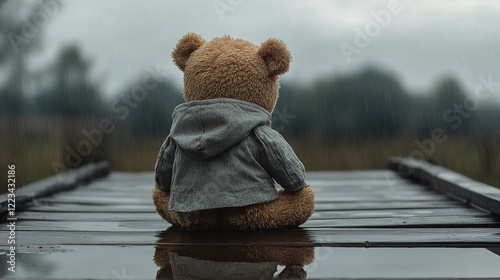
279,160
164,164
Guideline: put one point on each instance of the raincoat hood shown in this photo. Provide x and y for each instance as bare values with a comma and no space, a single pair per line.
206,128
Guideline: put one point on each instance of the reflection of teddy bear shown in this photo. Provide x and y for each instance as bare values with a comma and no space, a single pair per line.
216,168
177,258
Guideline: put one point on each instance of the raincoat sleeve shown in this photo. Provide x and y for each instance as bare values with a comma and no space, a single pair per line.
164,163
280,161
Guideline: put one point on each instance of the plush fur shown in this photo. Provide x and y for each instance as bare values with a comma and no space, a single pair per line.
234,68
231,68
289,210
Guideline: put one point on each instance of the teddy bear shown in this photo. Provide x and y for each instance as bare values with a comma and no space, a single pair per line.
226,260
218,167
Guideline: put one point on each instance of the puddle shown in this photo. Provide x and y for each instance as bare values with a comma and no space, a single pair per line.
87,262
249,262
405,262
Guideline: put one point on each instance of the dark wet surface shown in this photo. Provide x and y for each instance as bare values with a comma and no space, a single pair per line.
367,224
136,262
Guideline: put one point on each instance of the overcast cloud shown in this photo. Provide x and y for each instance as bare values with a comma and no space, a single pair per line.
422,42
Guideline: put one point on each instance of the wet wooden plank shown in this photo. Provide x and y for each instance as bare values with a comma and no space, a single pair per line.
330,198
374,189
409,237
324,206
370,197
495,250
104,199
337,176
353,209
63,182
78,208
319,215
376,207
329,237
373,174
89,216
337,192
423,222
333,182
401,213
320,206
327,179
100,200
148,225
449,182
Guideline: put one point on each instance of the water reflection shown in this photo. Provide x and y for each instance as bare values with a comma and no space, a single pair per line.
233,255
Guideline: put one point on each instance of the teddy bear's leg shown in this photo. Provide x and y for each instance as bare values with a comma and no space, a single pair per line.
288,210
161,200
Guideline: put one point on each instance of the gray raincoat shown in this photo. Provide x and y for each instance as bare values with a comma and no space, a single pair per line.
224,153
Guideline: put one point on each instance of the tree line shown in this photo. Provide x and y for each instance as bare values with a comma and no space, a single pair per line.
368,103
373,103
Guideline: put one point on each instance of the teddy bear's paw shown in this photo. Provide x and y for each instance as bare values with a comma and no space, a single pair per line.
291,209
161,200
296,207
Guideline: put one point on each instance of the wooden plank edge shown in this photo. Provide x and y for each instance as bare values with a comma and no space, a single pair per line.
495,250
64,181
453,184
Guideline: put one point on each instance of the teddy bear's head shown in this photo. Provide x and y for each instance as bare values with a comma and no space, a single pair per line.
231,68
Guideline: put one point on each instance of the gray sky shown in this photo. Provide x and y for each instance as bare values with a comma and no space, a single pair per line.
422,40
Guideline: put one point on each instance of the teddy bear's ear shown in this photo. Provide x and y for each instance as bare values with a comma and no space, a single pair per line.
185,47
275,55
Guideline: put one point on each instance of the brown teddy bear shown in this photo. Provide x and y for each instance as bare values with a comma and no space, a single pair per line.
217,168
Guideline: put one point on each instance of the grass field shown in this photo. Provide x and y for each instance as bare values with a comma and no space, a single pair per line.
33,156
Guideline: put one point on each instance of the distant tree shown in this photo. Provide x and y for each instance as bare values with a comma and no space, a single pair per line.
444,108
486,119
76,100
47,102
369,103
12,101
447,93
72,92
421,115
14,49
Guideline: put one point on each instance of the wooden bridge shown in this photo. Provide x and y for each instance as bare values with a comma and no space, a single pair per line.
414,220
